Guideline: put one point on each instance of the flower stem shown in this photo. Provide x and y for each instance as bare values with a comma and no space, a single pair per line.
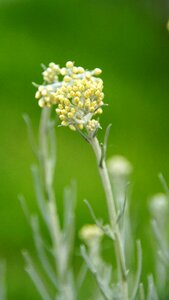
59,246
119,251
47,167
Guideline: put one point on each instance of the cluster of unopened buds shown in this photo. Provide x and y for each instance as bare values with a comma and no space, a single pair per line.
77,94
90,232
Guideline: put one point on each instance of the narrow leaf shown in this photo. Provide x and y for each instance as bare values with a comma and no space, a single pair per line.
30,269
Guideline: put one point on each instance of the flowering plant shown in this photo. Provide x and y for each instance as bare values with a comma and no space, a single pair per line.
77,96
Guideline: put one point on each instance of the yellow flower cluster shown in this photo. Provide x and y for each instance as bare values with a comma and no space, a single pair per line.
51,73
78,95
46,95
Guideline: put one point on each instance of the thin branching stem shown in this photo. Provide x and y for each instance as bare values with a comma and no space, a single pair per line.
92,269
30,269
40,247
139,268
120,257
47,168
31,137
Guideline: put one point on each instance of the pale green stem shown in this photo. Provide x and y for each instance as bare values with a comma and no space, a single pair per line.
120,257
47,163
47,178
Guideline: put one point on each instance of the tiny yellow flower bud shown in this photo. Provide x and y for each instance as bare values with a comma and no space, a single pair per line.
49,88
37,95
70,115
49,70
81,88
58,111
72,94
66,102
75,88
78,94
45,73
76,82
56,68
64,123
99,111
67,78
80,104
86,94
75,70
80,70
76,100
60,98
97,71
51,65
41,87
69,89
72,127
63,71
100,85
53,98
87,102
97,93
100,102
80,126
91,91
63,111
91,109
41,102
69,64
44,92
47,99
63,89
88,83
68,108
84,81
73,110
93,104
88,75
62,117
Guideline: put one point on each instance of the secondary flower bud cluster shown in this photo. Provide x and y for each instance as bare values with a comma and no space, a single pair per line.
77,93
51,73
90,232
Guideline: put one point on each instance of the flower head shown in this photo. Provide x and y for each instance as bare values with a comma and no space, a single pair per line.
76,92
119,166
159,205
90,232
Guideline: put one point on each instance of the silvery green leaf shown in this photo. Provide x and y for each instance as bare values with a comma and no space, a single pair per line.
39,194
138,274
39,243
30,269
152,293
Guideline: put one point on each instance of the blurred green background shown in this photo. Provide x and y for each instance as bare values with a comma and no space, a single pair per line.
128,40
